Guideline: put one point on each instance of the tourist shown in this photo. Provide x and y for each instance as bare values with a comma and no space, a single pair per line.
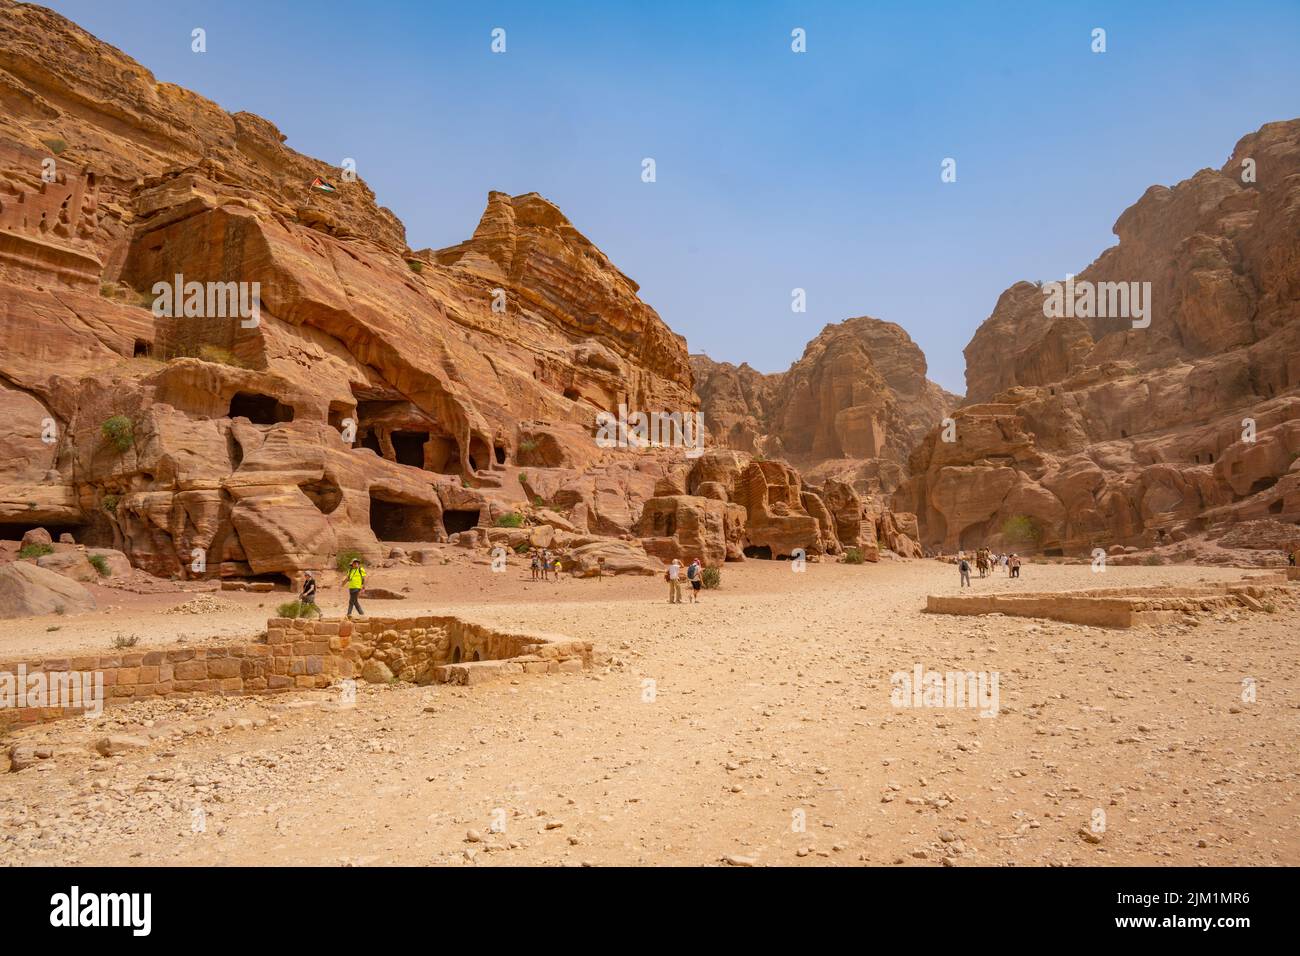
964,567
695,574
356,580
536,564
546,564
673,576
1015,565
307,599
600,567
559,566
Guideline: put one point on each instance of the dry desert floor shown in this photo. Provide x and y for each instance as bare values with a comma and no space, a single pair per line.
755,728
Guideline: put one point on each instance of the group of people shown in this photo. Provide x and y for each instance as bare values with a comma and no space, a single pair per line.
355,577
986,562
542,563
694,575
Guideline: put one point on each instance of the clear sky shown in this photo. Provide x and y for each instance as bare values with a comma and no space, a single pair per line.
775,170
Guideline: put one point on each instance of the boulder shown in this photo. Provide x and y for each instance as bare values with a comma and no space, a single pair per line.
27,590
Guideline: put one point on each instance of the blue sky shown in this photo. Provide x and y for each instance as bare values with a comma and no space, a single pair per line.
775,170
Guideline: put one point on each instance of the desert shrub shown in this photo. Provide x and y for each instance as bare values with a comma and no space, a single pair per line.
108,289
415,265
118,431
56,146
523,477
123,641
521,547
853,556
512,520
1022,530
528,444
100,563
296,609
711,578
110,502
345,558
35,551
1153,560
538,502
220,356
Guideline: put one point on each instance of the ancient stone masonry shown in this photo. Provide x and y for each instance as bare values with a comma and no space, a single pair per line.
1110,607
305,654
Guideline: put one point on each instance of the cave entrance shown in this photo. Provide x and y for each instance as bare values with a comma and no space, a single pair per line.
371,441
15,532
501,454
259,409
759,551
324,494
402,521
408,447
458,521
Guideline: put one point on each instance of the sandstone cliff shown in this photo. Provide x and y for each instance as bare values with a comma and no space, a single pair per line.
312,385
853,406
1093,432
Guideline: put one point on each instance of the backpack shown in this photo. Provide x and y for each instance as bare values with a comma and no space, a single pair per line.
965,566
691,572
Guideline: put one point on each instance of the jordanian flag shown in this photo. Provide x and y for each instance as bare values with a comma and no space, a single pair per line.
321,185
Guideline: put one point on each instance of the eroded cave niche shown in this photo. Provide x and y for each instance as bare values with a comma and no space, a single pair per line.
402,521
456,521
259,409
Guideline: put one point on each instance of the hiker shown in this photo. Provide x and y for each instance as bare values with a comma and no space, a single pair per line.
673,577
536,565
308,596
1290,558
964,567
559,566
600,568
1015,565
546,564
695,574
356,578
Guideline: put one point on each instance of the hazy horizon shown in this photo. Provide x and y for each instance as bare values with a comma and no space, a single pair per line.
775,170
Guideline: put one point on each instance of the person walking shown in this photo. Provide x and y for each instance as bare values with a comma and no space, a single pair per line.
964,567
695,575
307,599
1015,565
356,581
674,578
536,563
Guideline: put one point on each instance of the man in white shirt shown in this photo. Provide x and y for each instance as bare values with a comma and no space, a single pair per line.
675,582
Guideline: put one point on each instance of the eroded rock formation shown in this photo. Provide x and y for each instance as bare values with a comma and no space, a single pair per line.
1093,432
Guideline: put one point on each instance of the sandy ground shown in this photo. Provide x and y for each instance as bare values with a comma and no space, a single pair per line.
756,726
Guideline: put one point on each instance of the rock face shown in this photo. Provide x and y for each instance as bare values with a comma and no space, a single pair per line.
1095,432
27,590
852,407
370,389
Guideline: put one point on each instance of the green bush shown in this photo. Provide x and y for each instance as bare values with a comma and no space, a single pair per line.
523,477
110,503
35,551
122,641
100,563
528,444
345,558
512,520
415,265
118,431
1022,530
297,609
56,145
1153,560
853,556
711,578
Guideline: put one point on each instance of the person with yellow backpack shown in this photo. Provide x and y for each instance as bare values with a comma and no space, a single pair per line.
356,579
